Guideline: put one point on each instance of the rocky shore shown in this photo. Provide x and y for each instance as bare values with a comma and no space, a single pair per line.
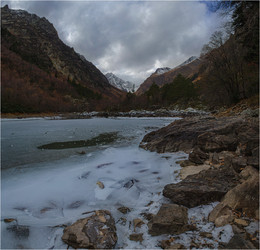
223,166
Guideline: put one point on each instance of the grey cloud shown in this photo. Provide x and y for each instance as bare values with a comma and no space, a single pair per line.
129,38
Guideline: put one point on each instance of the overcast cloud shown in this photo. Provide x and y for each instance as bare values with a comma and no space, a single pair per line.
130,39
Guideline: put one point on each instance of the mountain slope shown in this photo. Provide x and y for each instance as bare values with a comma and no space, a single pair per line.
119,83
160,71
187,69
35,43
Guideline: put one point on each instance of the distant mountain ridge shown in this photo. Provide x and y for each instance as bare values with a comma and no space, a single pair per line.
167,75
191,59
160,71
35,41
119,83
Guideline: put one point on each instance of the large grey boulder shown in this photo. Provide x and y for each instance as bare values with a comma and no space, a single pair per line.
97,231
202,188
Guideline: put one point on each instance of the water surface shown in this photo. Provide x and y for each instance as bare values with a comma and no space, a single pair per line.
54,171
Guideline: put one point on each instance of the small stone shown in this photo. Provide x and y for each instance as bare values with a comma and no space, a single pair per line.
46,209
100,184
8,220
136,237
137,223
149,204
166,244
124,210
206,235
177,246
147,216
82,152
241,222
122,221
223,220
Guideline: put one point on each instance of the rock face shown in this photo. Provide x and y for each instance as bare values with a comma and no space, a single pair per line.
171,219
209,134
97,231
202,188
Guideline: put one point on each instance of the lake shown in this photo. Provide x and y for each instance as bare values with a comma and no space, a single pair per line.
53,172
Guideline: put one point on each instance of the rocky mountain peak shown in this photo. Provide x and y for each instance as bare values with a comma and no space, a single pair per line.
160,71
191,59
119,83
24,24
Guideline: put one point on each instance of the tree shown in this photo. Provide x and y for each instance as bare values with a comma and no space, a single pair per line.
231,73
153,94
181,89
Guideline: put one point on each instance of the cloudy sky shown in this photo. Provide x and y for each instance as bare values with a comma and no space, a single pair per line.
129,38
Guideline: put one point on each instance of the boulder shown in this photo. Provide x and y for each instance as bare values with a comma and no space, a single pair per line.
253,161
244,197
207,133
202,188
171,219
238,241
197,156
96,231
213,142
181,135
223,220
248,172
221,157
221,216
239,163
136,237
191,170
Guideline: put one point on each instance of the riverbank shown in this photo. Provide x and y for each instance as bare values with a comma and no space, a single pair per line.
106,114
223,166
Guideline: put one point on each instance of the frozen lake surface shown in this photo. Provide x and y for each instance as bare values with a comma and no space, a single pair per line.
44,189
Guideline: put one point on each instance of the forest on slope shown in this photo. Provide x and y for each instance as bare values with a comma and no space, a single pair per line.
229,69
44,78
42,74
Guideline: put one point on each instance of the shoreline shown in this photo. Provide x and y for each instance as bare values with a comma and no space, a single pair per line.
222,166
105,114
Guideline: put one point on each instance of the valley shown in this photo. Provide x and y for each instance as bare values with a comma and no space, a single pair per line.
115,135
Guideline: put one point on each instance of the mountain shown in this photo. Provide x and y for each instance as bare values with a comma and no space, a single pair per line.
160,71
119,83
188,69
191,59
32,53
